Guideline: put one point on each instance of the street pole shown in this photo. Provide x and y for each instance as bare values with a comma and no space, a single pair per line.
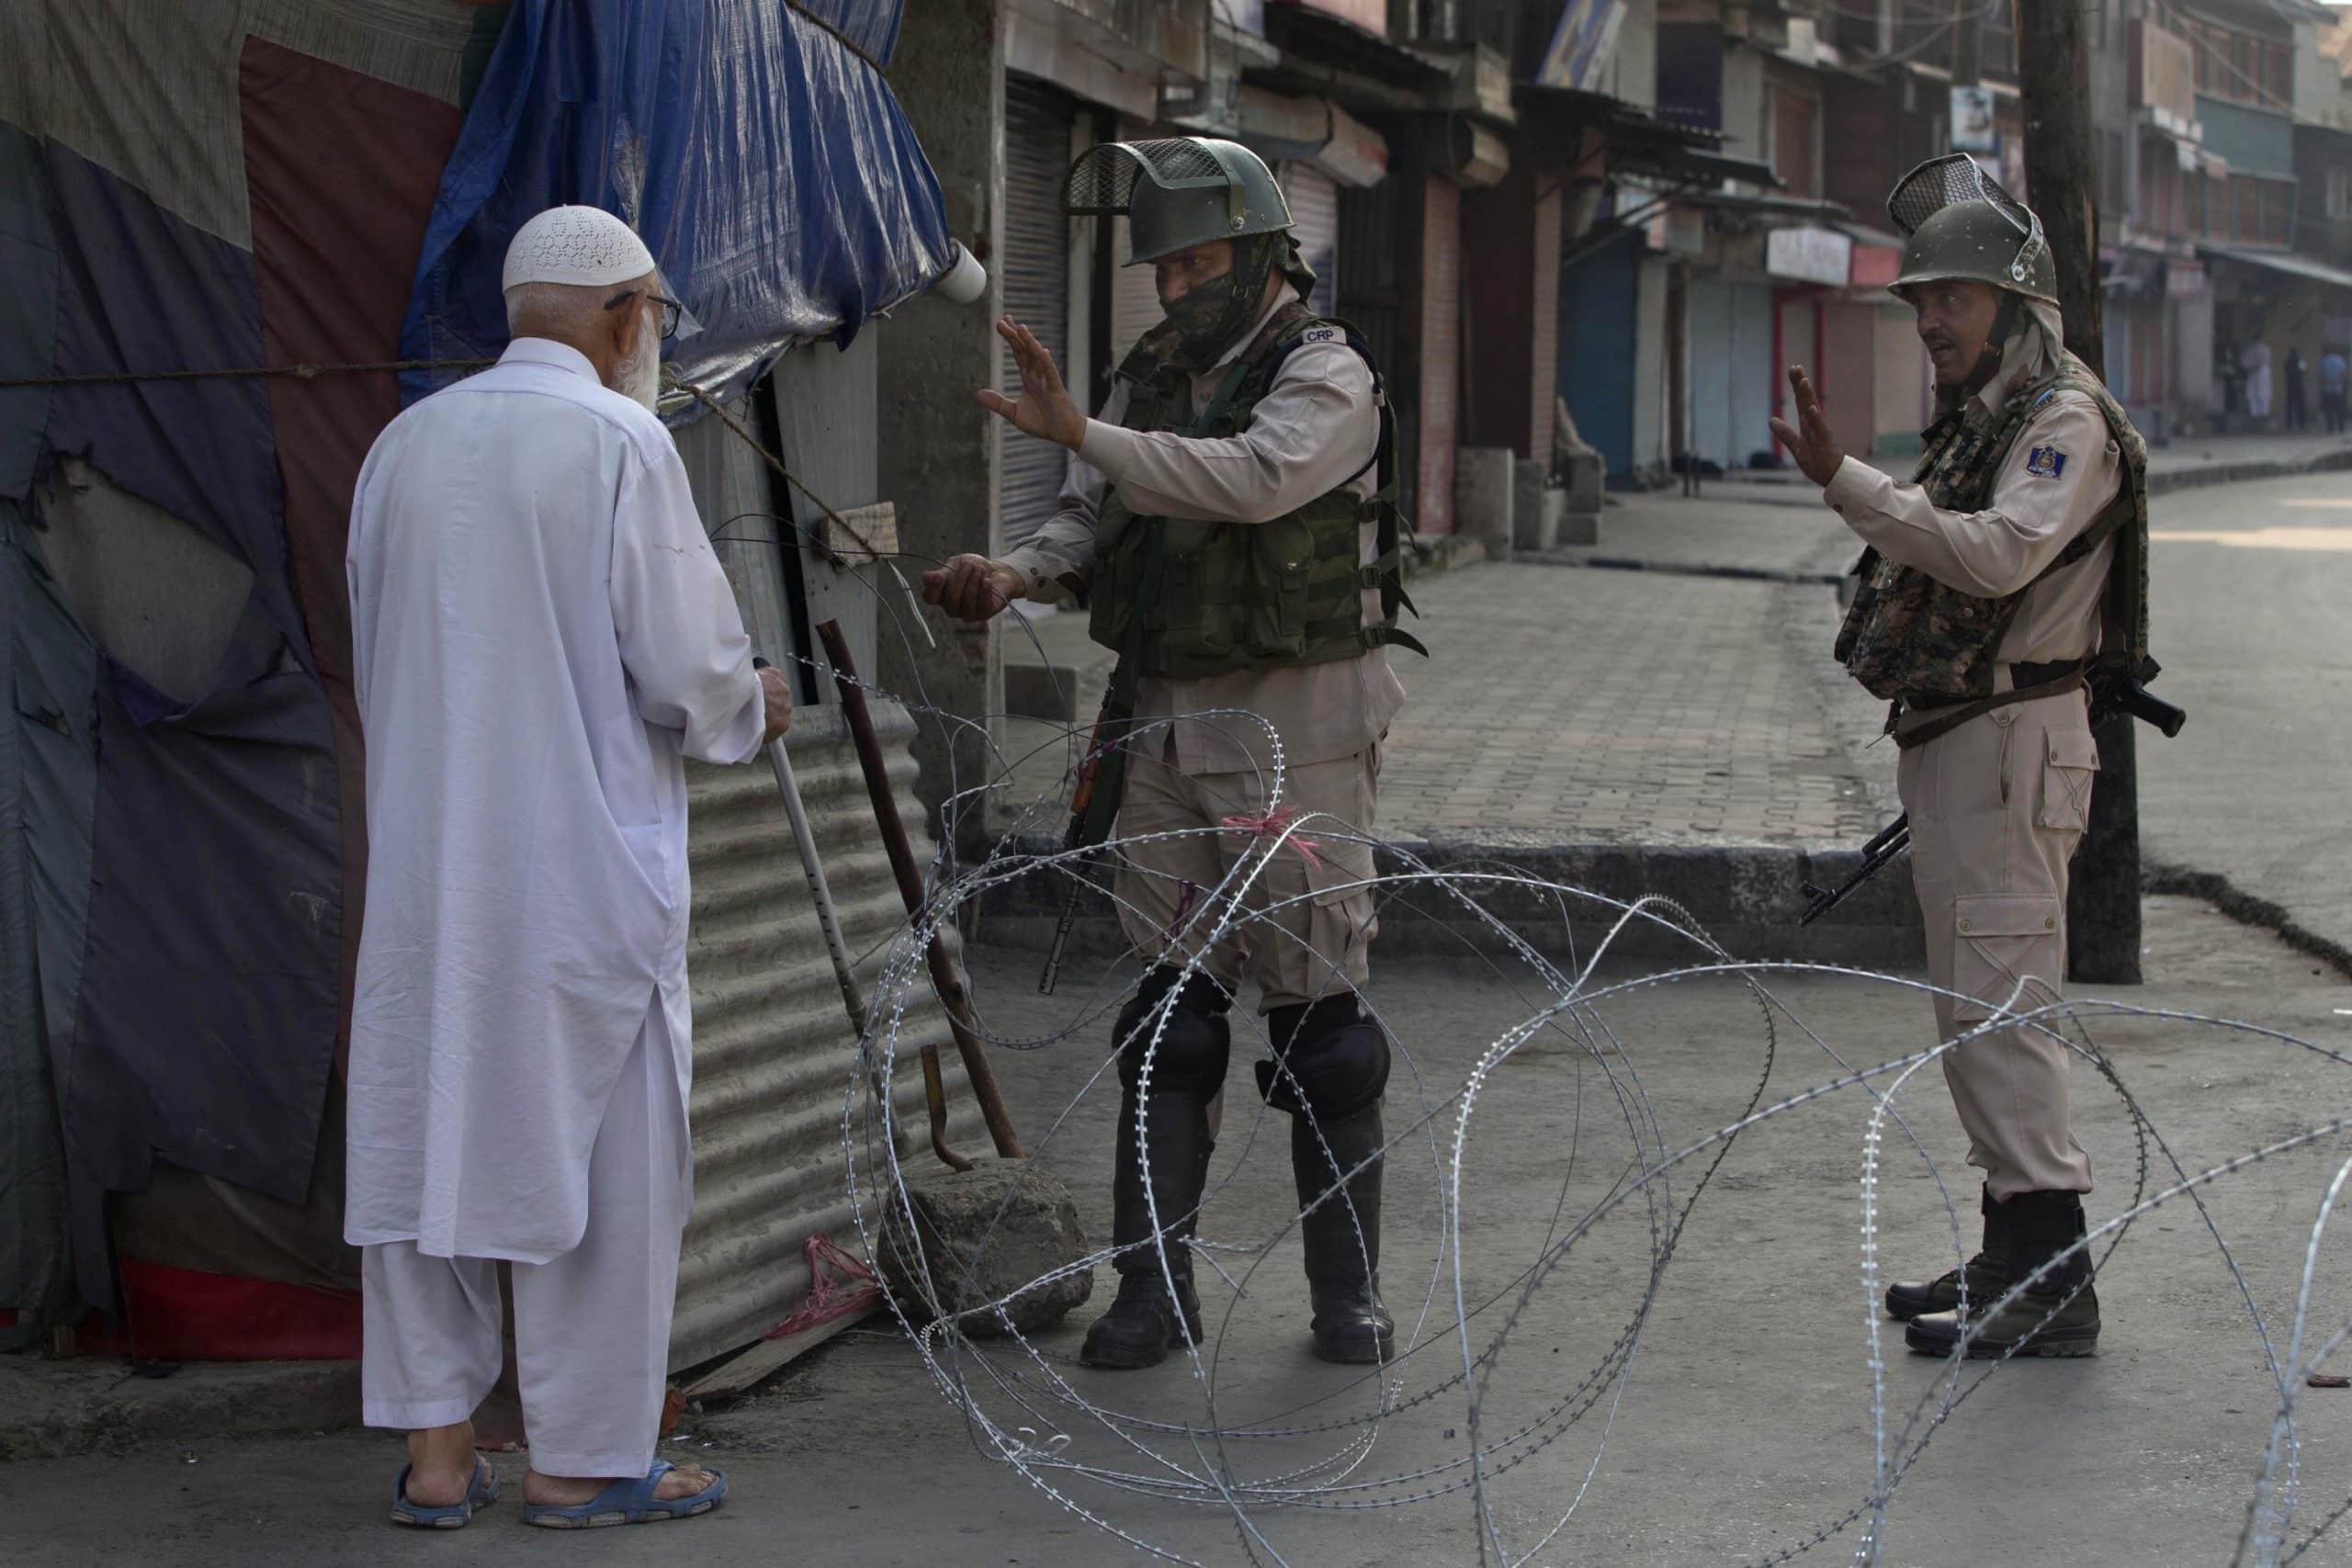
2062,184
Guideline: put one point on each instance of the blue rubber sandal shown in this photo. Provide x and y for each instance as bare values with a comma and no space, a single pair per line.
481,1493
628,1502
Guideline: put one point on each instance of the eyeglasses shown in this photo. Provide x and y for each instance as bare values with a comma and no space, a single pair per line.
670,308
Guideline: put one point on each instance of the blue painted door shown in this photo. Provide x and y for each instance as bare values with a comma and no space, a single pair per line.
1598,326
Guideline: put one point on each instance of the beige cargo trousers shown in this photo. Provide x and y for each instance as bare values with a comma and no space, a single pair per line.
1997,806
1306,924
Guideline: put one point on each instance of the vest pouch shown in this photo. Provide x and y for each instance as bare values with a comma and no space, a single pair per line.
1120,538
1191,633
1273,595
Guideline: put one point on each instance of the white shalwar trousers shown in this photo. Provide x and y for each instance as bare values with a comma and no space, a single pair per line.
591,1325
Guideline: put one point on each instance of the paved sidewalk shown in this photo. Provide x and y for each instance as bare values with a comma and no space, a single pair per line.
1572,702
1571,707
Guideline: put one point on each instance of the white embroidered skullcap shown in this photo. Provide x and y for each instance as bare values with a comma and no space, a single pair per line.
585,245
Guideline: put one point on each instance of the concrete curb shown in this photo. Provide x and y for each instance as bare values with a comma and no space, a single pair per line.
1678,568
2165,482
60,1408
2245,909
1748,898
2160,482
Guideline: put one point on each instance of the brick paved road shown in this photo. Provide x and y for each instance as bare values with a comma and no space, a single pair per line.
1596,707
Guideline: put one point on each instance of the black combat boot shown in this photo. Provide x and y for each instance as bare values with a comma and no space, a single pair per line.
1987,1273
2057,1316
1343,1246
1144,1323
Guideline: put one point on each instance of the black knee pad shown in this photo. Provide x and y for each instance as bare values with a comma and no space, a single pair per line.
1334,1060
1194,1043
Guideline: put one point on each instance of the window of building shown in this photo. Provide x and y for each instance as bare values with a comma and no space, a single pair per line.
1795,145
2278,211
2339,194
2241,67
2247,208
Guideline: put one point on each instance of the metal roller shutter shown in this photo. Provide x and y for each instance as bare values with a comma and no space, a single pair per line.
1314,199
1135,294
1037,122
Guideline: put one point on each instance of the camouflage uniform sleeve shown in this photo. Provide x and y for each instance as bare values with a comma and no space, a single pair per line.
2062,470
1059,558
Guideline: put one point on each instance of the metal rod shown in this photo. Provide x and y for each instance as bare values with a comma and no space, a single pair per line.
804,839
944,977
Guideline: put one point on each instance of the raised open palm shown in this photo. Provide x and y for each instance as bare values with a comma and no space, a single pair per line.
1044,409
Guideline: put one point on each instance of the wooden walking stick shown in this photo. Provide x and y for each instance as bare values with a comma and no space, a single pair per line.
829,921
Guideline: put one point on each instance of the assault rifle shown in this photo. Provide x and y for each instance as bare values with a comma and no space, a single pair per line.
1094,809
2112,692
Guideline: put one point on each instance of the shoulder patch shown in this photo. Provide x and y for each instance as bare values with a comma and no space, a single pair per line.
2045,462
1319,334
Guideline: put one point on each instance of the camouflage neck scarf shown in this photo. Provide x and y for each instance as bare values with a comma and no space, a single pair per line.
1209,318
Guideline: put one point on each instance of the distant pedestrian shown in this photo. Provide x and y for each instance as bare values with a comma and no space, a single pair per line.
2257,364
2299,414
2331,390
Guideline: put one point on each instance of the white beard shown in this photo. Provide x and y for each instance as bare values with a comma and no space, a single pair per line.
638,377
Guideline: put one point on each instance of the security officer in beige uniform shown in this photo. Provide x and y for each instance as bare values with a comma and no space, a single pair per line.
1227,521
2010,571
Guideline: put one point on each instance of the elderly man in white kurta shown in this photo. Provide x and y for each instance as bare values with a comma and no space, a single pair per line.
540,635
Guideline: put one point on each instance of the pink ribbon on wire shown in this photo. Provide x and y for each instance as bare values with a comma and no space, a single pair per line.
1273,824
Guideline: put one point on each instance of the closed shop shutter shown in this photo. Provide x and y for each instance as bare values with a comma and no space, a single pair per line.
1314,199
1037,121
1440,352
1135,296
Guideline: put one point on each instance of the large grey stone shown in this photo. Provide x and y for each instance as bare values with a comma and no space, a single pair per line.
1483,497
1537,508
991,1232
1586,473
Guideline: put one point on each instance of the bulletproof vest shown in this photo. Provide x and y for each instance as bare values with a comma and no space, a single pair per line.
1922,643
1189,599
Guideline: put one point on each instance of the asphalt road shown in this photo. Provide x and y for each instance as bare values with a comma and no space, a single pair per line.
2252,586
1744,1428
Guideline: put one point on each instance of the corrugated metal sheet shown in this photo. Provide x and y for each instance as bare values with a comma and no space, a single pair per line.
1440,398
1038,120
774,1051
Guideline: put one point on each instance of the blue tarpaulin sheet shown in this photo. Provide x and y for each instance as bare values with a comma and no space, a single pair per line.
754,144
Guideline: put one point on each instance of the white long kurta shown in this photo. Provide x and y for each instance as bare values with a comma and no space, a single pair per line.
540,632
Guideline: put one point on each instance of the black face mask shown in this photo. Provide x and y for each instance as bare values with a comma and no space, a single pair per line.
1212,314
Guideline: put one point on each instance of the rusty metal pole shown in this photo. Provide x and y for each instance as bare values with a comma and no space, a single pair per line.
944,977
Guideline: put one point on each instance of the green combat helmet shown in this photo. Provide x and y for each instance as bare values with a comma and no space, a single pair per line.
1960,224
1185,191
